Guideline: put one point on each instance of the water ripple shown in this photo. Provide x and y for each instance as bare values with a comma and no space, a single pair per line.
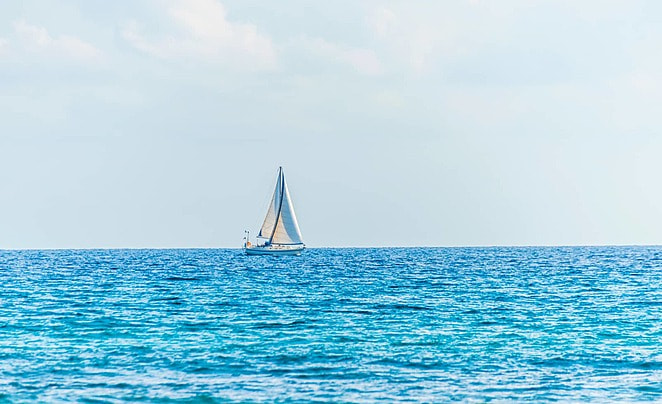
406,325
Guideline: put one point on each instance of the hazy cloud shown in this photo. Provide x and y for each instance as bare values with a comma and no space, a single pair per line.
37,39
410,39
207,34
364,61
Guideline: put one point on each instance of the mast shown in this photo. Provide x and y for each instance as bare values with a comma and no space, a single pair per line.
281,181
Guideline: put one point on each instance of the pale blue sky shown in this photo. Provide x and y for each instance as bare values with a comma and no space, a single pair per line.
472,122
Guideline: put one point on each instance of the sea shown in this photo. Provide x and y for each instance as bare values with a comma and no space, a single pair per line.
536,324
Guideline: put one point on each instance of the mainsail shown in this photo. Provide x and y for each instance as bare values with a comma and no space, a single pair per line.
280,225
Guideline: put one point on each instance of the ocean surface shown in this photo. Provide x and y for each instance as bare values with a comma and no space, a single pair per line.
349,325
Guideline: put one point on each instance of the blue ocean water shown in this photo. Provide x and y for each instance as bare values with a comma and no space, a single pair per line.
401,324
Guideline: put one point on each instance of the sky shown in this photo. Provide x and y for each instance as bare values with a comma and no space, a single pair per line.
162,123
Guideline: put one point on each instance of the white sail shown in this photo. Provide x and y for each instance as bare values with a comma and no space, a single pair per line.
280,225
287,228
272,213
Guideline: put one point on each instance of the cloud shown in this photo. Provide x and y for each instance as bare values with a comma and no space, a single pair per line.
364,61
382,21
207,34
410,39
37,39
484,43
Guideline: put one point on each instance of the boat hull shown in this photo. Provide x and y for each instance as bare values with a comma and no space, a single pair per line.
296,250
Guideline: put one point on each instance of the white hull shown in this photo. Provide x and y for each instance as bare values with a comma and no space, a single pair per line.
274,250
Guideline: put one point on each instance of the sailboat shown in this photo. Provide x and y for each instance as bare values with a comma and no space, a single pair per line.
279,234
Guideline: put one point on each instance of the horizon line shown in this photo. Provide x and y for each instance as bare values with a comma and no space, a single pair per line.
335,247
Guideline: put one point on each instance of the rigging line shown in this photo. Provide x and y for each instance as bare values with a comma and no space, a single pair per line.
267,201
